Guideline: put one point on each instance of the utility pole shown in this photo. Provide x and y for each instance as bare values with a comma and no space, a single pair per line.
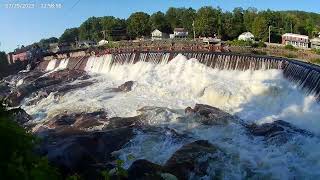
269,34
194,32
104,34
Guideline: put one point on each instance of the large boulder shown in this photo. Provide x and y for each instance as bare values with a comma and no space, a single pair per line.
126,87
194,159
77,120
55,81
209,115
144,170
20,115
80,151
277,132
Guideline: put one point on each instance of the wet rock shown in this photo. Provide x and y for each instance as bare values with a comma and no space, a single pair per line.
4,89
144,170
209,115
54,81
77,120
277,132
20,115
83,151
69,75
117,122
126,87
194,158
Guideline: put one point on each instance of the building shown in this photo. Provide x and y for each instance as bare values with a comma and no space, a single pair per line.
179,33
22,54
315,42
158,35
296,40
246,36
103,42
86,44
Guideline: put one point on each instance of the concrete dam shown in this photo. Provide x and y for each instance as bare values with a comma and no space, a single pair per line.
304,75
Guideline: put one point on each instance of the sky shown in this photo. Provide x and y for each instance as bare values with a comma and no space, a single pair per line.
23,26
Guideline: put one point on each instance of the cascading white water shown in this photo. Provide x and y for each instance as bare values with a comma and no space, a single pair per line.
63,64
255,96
51,65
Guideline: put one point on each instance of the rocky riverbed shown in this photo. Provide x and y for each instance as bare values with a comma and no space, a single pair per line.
194,142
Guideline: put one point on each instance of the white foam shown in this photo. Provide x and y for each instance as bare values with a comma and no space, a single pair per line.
256,96
51,65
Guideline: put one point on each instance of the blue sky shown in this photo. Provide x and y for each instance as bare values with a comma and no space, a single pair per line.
24,26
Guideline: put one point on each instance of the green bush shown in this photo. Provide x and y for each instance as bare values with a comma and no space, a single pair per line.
290,55
239,43
17,159
259,44
317,51
316,61
290,47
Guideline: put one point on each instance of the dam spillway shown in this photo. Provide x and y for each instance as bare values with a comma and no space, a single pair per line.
255,90
304,75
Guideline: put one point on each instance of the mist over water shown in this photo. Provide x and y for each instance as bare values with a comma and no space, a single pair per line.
254,96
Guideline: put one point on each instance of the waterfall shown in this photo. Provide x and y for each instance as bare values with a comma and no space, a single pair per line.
306,76
51,65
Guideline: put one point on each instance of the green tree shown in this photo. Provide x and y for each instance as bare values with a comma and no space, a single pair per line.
17,157
44,43
248,18
69,35
188,16
159,21
206,21
3,59
260,28
138,25
173,16
91,29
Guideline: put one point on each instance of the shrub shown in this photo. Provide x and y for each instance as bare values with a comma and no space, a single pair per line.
259,44
290,47
17,159
290,55
316,60
239,43
317,51
258,52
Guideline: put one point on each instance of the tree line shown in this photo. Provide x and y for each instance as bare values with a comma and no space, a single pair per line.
208,21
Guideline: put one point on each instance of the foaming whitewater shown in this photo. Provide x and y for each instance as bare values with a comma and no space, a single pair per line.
258,96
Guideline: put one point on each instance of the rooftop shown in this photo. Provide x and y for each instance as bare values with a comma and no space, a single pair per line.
296,35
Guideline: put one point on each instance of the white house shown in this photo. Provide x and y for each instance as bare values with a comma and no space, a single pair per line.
102,42
158,35
315,42
179,33
296,40
246,36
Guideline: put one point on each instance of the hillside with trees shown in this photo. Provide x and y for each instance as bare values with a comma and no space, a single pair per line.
208,21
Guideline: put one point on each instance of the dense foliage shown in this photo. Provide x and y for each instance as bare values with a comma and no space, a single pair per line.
208,21
17,159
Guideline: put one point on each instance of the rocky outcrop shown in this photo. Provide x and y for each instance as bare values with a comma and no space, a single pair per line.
277,132
195,158
144,170
126,87
209,115
81,151
20,116
55,81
